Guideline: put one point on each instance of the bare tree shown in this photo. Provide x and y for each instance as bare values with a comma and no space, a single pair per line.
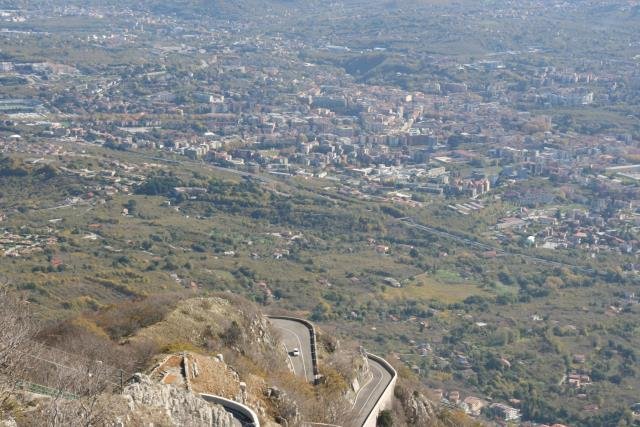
16,330
75,385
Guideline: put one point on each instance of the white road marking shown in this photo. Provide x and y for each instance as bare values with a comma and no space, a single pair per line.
355,401
304,366
364,405
289,359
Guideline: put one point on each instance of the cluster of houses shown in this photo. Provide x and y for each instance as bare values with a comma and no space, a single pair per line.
259,108
583,229
476,406
16,245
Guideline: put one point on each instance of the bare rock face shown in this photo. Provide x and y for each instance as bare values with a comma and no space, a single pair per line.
288,413
260,332
361,375
362,370
419,410
183,408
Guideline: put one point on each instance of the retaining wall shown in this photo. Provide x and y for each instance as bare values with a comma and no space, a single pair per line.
234,406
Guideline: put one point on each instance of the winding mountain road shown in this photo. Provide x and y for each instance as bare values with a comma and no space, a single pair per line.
295,334
369,394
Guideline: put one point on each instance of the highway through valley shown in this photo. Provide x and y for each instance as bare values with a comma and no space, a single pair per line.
468,242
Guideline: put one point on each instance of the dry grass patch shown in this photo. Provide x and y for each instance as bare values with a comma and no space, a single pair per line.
425,287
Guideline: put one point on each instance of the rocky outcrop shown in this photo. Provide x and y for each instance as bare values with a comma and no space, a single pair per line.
182,408
287,411
361,375
259,331
419,411
217,323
